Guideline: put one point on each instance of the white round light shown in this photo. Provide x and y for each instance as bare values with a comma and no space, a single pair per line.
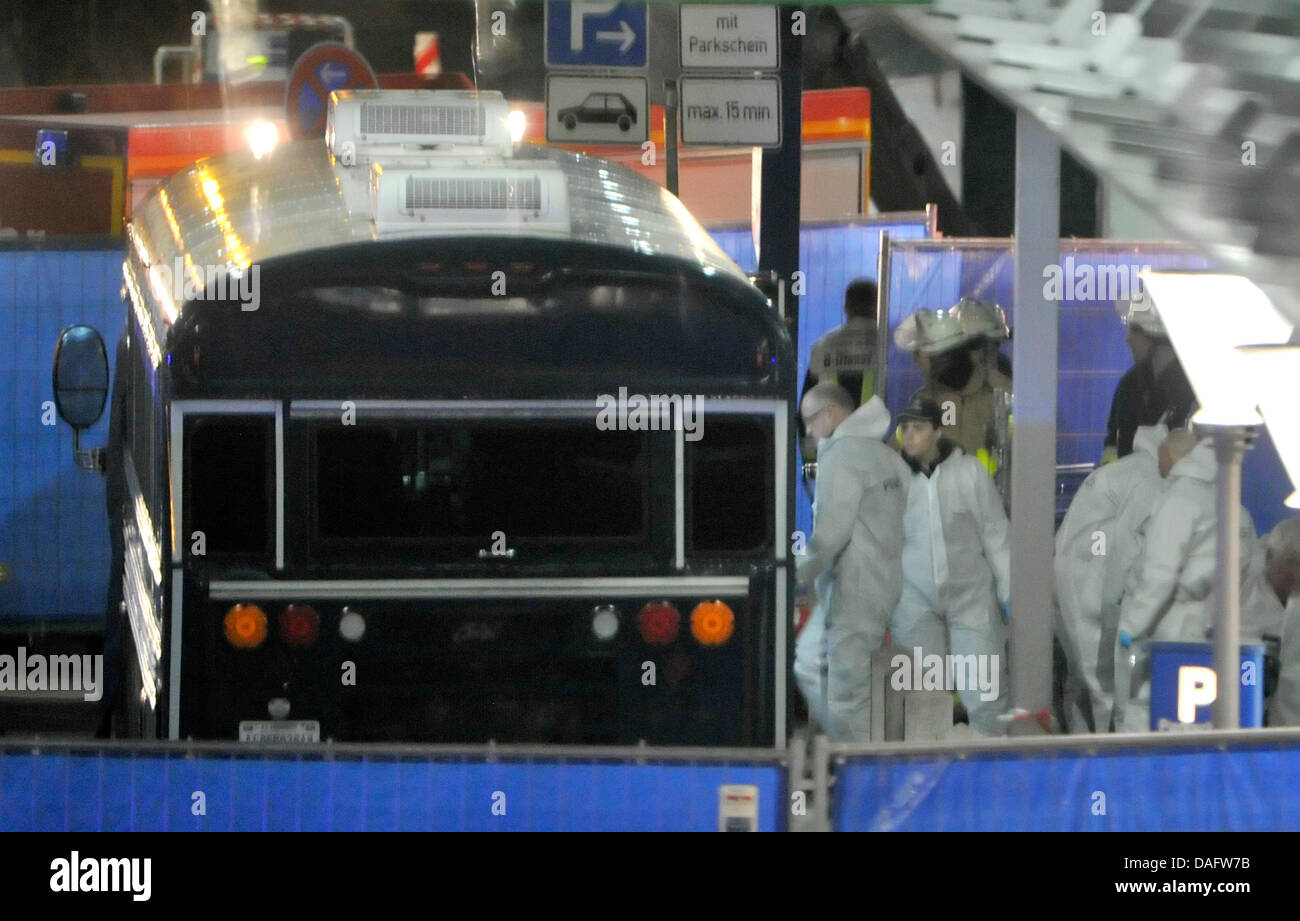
352,626
262,137
517,122
278,707
604,623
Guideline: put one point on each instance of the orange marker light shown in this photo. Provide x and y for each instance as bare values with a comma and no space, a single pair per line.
245,626
712,623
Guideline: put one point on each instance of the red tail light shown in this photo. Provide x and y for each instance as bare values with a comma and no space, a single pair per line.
659,623
299,625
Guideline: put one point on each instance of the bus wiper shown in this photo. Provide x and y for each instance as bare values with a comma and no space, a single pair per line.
506,554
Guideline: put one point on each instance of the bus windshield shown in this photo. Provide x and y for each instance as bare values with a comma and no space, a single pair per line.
435,481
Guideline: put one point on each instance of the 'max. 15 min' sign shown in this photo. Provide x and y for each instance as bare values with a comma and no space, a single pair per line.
738,110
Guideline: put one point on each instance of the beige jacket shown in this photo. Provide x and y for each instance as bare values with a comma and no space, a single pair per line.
972,409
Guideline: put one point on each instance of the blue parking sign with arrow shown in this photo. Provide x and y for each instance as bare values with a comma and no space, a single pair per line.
595,33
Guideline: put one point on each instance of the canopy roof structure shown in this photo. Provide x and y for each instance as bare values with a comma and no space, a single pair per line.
1188,110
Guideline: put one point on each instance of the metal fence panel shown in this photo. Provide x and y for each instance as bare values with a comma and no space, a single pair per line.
53,525
1246,787
1093,354
831,256
119,789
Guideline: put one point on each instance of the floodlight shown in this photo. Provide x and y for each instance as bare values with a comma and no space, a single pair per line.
1275,373
1208,316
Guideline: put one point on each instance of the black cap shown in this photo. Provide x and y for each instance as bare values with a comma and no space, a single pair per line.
923,409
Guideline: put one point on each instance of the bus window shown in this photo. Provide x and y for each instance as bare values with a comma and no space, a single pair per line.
577,324
730,483
228,470
462,481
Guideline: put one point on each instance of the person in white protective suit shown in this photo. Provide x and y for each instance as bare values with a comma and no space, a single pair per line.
1170,595
1283,578
810,663
956,562
854,555
1096,546
1263,604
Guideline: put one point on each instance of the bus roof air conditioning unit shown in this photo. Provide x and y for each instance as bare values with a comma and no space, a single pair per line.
471,198
366,125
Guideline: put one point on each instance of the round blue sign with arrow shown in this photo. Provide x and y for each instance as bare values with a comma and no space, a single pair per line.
323,68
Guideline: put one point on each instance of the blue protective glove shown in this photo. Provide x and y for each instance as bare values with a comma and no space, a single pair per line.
1125,640
1006,613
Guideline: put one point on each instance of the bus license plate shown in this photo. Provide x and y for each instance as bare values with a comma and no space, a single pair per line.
279,731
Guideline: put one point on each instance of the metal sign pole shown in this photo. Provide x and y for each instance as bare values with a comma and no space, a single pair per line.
670,134
882,318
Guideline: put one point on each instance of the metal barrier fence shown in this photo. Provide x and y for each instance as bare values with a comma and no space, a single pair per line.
1201,781
117,786
831,256
1093,356
53,525
1224,781
1090,279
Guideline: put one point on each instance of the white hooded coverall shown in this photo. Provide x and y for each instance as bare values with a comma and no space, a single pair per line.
1096,546
810,661
1285,707
1261,611
853,563
957,574
1170,596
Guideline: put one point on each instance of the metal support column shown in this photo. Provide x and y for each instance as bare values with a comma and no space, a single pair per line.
1033,445
778,243
1230,443
778,251
670,136
821,771
882,317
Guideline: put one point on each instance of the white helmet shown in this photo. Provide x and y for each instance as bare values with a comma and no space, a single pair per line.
905,334
938,331
982,318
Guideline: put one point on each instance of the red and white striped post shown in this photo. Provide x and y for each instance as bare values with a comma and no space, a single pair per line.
428,60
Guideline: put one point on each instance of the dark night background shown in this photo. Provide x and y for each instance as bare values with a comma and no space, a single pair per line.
68,42
55,42
64,42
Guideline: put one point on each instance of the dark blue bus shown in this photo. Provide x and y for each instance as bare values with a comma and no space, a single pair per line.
429,436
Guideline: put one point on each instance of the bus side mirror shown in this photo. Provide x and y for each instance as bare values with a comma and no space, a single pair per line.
769,283
81,386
